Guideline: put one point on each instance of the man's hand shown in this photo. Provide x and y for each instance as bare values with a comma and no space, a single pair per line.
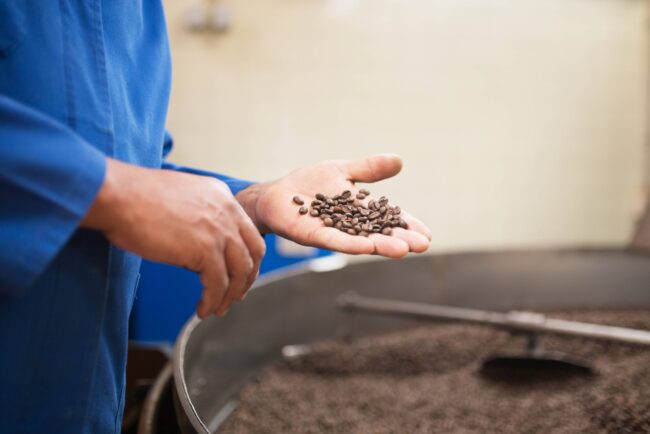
185,220
271,209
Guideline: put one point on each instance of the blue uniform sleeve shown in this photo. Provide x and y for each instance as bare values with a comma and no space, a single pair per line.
49,177
235,185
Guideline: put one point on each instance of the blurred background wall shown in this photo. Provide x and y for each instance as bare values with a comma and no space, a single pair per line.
521,122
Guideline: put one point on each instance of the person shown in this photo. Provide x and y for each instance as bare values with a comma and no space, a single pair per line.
85,191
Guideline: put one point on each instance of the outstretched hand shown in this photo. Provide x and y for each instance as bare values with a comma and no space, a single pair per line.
271,208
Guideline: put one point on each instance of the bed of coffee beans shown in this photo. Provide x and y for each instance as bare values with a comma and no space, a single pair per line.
425,381
348,213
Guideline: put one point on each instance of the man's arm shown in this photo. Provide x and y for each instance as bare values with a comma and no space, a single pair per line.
49,177
52,182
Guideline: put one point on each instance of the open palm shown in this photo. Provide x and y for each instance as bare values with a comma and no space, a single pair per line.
274,211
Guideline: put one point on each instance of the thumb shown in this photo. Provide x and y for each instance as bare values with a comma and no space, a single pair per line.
374,168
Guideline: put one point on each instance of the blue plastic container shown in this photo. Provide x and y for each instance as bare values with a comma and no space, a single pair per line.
167,295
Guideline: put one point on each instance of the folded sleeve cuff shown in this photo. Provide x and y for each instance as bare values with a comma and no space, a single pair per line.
49,177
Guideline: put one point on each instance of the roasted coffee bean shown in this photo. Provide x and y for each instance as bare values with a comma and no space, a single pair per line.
374,215
346,194
328,222
352,231
303,210
338,225
386,231
356,203
316,203
337,209
403,224
320,196
298,201
364,191
314,213
354,221
329,201
382,209
361,196
364,212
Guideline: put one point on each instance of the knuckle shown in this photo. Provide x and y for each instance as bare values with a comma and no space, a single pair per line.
259,249
248,266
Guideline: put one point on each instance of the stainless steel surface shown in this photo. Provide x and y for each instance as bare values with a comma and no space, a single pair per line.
148,423
214,358
513,320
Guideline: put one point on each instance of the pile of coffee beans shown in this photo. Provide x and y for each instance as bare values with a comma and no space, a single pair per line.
348,213
426,381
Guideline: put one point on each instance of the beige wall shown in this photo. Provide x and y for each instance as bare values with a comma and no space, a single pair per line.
521,122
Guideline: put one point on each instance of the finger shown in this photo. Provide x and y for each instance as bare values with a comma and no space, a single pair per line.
215,282
417,242
389,246
374,168
333,239
416,225
257,249
240,266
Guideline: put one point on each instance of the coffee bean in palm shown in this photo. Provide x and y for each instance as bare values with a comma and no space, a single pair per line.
347,213
303,210
297,200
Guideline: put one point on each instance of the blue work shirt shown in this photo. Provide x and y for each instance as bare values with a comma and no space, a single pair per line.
79,81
